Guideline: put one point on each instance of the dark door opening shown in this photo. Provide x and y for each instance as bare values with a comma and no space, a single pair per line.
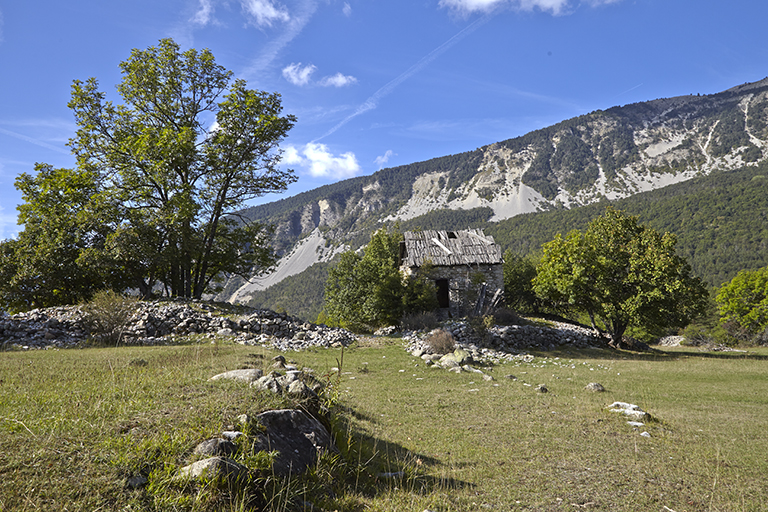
443,297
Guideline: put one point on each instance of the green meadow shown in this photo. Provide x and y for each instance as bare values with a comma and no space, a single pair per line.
76,425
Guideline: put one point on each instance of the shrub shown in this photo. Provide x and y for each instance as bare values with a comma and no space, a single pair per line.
506,316
441,341
107,315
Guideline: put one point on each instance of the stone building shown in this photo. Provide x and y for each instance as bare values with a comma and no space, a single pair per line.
465,265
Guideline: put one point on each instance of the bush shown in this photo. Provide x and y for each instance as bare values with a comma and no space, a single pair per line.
107,315
506,316
441,341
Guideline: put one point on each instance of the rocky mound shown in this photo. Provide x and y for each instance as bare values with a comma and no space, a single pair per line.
161,322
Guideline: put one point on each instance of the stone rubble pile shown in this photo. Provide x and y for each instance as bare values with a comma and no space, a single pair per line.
506,343
159,322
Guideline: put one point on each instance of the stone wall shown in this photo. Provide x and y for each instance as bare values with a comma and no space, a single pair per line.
463,287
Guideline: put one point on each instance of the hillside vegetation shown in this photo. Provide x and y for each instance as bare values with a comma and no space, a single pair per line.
720,220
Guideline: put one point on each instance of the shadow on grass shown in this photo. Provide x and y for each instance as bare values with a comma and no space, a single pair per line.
377,466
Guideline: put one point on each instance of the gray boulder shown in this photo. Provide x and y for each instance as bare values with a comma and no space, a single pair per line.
297,437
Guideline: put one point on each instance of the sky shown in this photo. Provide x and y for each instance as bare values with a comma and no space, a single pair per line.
375,83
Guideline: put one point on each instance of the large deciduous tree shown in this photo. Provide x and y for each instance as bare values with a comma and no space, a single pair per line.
621,274
182,154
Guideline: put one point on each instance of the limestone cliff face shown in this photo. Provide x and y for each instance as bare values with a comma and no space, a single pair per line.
605,154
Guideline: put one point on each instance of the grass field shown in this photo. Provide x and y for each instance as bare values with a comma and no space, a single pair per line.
76,424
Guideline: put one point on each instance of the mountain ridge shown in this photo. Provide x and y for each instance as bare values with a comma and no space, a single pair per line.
603,155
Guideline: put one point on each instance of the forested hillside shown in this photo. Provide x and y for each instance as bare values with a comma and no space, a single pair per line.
721,222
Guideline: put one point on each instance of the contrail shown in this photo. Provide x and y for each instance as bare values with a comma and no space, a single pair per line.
373,101
35,141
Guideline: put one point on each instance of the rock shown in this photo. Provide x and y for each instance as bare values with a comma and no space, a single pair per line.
269,383
297,437
459,356
247,375
135,482
594,386
216,446
541,388
232,435
630,410
215,468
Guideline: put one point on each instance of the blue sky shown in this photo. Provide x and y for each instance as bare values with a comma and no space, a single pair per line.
377,83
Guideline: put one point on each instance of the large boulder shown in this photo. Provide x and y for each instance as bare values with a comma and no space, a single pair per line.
297,437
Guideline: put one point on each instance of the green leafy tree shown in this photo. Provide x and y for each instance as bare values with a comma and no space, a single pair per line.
744,301
620,274
367,291
181,156
62,219
519,272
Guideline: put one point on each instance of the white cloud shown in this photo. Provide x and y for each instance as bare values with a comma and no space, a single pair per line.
1,26
553,6
204,14
300,75
300,16
471,5
347,9
297,74
318,160
337,80
264,12
383,159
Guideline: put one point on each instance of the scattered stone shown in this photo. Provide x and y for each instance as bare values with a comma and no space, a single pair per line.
595,386
216,447
510,377
630,410
645,434
215,468
232,435
247,375
136,482
635,424
541,388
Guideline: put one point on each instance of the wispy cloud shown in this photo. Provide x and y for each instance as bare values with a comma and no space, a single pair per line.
373,101
347,9
204,15
337,80
1,26
556,7
36,141
293,27
319,161
382,160
262,13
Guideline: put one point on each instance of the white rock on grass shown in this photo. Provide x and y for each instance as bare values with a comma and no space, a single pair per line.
247,375
632,411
